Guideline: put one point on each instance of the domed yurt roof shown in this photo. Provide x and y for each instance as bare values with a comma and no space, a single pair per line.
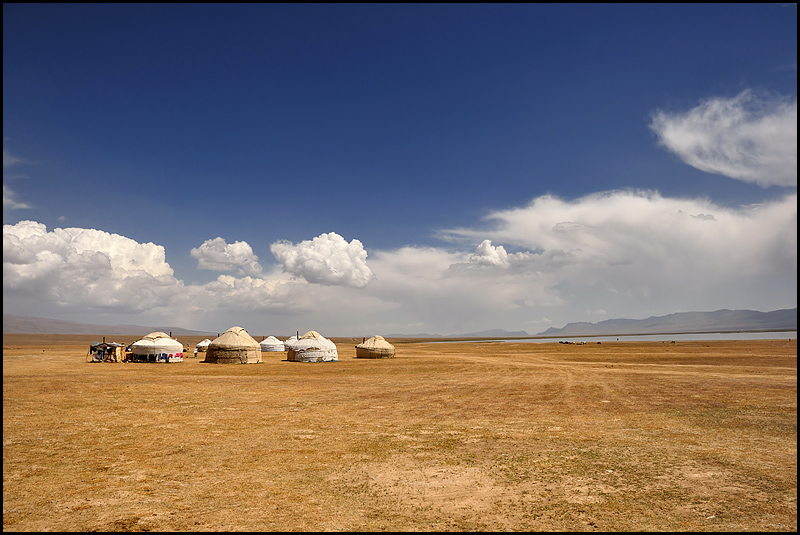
234,346
156,343
312,347
270,343
203,344
375,348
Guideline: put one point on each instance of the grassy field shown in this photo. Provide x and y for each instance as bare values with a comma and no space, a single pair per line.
617,436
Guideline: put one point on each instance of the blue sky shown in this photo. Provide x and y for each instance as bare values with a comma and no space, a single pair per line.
382,169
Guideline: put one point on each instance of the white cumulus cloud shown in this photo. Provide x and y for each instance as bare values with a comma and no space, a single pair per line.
218,255
85,267
487,254
327,259
748,137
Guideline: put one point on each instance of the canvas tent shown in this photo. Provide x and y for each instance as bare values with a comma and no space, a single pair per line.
156,347
375,348
312,347
234,346
270,343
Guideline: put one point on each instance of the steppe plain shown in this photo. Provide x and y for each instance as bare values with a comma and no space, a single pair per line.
446,436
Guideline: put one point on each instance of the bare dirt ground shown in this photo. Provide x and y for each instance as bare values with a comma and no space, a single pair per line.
622,436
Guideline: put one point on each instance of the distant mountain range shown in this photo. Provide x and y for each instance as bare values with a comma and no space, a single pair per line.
33,325
686,322
680,322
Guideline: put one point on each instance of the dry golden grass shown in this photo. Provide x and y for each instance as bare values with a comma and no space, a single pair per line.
622,436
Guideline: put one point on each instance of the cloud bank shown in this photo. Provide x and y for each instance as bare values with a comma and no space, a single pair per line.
626,253
623,237
85,268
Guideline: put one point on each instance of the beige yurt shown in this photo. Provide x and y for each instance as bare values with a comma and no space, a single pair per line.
156,347
270,343
311,347
234,346
375,348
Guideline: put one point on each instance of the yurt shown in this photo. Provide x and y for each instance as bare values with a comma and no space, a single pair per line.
312,347
270,343
289,341
156,347
375,348
234,346
201,347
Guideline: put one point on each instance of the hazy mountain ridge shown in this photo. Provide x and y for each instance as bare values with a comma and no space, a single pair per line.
679,322
685,322
34,325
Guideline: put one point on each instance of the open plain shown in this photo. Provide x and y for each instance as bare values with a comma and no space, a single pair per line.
460,436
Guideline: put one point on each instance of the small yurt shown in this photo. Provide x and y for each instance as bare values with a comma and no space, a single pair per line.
270,343
156,347
375,348
312,347
234,346
289,341
202,346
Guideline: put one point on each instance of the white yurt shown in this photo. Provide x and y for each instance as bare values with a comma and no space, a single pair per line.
156,347
289,341
234,346
375,348
201,347
270,343
312,347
